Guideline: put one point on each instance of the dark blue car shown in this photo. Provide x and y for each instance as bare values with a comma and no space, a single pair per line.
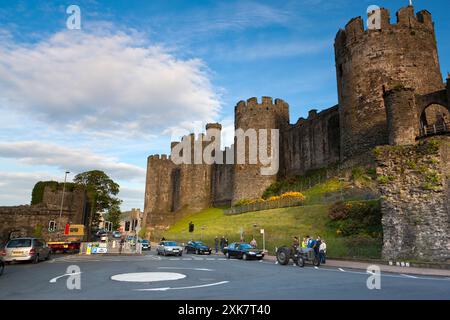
197,247
243,251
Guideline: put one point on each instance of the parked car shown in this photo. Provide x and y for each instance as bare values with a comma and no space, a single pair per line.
2,266
117,234
169,248
243,251
145,244
197,247
26,249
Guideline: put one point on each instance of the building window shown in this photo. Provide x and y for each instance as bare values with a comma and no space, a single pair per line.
127,225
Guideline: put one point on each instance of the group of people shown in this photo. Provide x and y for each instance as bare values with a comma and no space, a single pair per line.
223,242
318,245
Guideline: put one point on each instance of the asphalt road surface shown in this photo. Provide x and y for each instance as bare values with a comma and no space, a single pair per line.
204,277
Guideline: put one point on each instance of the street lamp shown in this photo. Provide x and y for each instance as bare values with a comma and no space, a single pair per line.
62,199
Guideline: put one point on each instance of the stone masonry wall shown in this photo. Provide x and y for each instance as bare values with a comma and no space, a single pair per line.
28,218
312,143
415,186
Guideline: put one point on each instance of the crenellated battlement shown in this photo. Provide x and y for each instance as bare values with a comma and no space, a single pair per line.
406,20
158,157
267,104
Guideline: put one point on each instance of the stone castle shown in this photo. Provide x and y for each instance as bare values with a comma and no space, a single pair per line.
390,92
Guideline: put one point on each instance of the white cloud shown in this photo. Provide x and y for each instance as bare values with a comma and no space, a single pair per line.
15,188
104,82
73,159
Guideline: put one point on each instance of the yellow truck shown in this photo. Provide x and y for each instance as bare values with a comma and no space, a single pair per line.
70,241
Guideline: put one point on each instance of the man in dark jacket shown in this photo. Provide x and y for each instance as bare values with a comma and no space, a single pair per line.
222,243
216,244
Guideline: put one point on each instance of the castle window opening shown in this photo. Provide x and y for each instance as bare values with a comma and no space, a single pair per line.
435,119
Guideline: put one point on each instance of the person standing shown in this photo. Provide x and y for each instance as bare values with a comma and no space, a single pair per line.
323,252
222,243
316,247
226,242
253,242
216,244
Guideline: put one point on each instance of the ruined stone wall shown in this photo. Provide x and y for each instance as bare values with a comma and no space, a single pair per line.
312,143
371,62
248,181
28,218
415,186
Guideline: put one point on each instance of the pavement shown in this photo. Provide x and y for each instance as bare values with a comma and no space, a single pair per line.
209,278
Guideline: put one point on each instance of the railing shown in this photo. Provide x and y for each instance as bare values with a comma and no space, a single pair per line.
266,205
435,129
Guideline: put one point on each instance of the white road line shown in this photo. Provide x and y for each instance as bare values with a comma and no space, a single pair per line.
210,259
317,268
184,288
408,276
187,259
64,275
340,269
176,268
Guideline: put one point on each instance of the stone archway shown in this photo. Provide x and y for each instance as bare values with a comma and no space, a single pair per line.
434,119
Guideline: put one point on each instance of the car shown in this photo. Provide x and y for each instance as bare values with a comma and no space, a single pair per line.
117,234
243,251
145,244
26,249
166,248
2,266
197,247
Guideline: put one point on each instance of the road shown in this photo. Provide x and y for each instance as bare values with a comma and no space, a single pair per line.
205,277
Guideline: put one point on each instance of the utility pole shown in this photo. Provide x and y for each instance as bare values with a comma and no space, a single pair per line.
62,199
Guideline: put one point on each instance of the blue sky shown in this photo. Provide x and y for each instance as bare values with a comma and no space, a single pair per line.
139,73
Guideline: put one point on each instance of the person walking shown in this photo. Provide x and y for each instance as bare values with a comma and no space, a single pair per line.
323,252
216,244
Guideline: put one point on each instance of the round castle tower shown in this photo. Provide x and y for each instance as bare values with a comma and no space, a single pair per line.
249,183
371,62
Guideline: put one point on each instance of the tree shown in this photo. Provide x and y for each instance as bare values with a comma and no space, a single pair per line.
113,216
102,192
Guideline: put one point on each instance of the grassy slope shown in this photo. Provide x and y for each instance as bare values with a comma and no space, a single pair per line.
280,226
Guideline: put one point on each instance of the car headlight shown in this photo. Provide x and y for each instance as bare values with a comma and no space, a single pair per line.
251,252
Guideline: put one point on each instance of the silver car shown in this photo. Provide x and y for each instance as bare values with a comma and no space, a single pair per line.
169,248
26,249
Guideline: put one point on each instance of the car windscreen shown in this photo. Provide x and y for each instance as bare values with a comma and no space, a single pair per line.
19,243
170,244
245,246
198,243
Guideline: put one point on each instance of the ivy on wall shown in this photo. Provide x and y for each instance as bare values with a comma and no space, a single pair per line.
37,195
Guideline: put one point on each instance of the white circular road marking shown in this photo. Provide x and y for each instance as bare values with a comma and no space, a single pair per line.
148,276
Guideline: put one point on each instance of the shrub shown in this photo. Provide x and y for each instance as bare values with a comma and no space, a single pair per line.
356,218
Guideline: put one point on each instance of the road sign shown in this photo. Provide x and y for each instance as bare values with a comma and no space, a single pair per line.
262,231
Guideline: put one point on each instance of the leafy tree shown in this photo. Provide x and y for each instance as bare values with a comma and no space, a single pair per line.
102,192
113,216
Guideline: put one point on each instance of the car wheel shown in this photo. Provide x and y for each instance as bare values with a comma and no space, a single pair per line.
198,252
48,256
36,259
180,254
2,267
244,256
228,255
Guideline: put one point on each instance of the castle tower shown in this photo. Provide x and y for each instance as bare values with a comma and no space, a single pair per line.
158,190
248,182
371,62
403,124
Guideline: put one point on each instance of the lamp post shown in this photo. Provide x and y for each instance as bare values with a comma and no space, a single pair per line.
62,199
